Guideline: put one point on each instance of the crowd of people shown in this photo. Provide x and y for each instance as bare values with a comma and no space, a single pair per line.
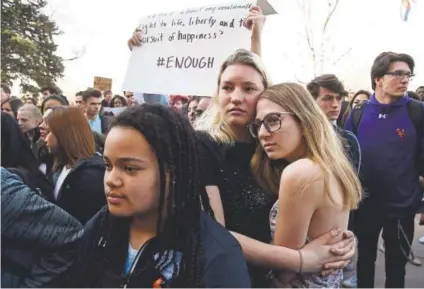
257,185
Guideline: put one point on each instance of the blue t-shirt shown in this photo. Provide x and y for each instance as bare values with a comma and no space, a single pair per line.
132,253
96,124
167,269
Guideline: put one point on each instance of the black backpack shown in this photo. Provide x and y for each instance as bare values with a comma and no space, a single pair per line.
416,113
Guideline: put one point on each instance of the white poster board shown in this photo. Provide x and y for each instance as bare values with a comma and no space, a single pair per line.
114,110
182,51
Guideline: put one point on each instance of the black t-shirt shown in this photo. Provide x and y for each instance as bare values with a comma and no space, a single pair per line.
246,205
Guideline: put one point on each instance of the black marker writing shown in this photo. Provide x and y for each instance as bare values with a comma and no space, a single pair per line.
185,62
145,27
152,39
197,21
160,62
190,37
177,22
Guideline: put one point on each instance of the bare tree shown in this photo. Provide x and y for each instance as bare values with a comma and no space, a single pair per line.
317,45
77,53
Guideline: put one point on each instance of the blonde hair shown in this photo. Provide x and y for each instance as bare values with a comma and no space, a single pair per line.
33,110
211,120
323,144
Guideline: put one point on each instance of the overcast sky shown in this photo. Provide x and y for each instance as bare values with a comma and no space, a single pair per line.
102,27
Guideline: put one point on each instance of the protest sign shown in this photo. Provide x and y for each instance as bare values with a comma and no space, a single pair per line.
102,83
114,110
139,98
182,51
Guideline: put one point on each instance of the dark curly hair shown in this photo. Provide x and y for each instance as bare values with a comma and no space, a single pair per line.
61,99
123,100
176,147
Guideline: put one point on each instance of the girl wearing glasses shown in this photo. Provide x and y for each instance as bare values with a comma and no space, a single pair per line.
317,188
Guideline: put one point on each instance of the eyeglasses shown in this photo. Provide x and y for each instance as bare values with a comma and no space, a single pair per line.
271,122
401,74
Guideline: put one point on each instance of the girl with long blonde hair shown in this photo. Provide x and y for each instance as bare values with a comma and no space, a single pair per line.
301,157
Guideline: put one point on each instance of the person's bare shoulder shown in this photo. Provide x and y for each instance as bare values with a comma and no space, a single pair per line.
301,176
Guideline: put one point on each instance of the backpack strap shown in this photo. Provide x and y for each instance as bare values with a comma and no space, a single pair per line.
357,113
416,113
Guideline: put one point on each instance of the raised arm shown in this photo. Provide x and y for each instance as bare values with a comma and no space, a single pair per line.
255,22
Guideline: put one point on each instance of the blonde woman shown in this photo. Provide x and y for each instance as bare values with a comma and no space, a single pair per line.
317,188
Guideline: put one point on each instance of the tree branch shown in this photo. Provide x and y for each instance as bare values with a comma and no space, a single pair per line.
329,16
292,64
343,55
77,54
332,8
308,31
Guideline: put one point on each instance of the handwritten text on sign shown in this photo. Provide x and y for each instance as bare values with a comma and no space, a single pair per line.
102,83
182,51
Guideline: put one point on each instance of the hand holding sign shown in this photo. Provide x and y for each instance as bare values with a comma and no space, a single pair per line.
255,20
135,40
